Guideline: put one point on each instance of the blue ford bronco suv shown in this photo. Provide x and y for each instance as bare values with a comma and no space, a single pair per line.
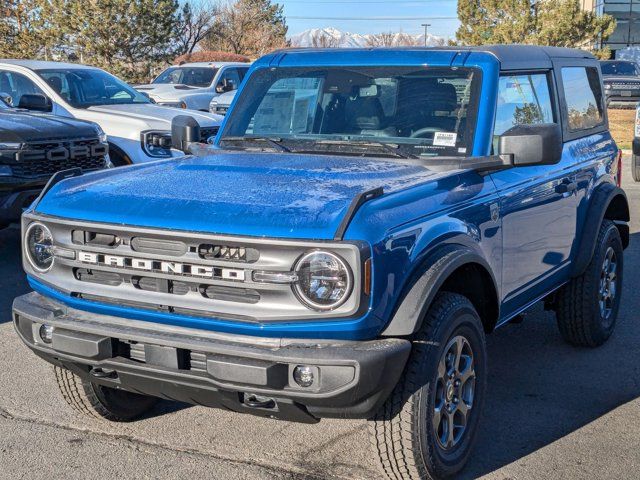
363,220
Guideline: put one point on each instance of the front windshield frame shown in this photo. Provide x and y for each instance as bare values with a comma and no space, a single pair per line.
135,97
258,83
170,70
614,65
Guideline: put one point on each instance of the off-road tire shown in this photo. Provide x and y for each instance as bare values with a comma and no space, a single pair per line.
101,402
635,167
401,432
578,312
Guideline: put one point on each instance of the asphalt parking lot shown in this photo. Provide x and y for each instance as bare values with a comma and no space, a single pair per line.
552,411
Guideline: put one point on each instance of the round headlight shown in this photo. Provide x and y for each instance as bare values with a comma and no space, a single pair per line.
38,244
324,280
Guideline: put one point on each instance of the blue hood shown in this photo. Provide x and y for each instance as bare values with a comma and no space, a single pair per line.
234,193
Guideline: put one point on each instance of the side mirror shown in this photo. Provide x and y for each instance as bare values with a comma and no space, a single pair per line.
6,98
221,87
35,101
185,131
532,144
224,86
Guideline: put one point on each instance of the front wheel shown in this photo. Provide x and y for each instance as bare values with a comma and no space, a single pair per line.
427,426
99,401
588,305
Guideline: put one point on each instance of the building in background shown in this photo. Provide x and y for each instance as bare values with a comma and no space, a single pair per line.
627,15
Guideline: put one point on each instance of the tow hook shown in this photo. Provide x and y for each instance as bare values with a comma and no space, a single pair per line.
100,373
256,401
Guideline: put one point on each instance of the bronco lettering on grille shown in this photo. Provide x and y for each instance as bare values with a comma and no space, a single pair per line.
119,261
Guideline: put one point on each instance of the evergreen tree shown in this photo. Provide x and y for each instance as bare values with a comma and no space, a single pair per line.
494,21
125,37
562,23
545,22
25,29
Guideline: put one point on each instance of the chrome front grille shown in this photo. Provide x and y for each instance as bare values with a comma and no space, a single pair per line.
185,273
625,85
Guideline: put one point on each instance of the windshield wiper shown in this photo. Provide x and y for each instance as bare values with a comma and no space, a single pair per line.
392,148
274,142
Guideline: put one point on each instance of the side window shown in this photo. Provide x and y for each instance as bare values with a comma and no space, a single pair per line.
58,82
523,100
15,85
583,96
230,80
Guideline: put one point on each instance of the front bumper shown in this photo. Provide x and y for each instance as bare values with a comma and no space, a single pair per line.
351,379
615,99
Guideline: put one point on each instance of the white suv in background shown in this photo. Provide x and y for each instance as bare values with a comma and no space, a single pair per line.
194,85
137,129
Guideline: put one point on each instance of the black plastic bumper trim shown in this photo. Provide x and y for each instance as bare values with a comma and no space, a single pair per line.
354,378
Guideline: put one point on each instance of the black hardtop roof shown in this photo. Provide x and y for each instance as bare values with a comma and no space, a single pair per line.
517,57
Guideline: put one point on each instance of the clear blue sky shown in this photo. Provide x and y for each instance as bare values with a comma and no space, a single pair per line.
372,16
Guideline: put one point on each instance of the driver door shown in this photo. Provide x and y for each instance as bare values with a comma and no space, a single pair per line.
537,203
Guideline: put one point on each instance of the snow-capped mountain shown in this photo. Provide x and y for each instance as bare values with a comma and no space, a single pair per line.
332,37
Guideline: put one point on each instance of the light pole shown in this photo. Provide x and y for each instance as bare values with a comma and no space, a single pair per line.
426,26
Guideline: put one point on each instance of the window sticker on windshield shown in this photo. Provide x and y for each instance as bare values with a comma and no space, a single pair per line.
445,139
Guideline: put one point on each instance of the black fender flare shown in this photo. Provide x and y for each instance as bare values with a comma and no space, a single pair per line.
437,268
113,148
602,198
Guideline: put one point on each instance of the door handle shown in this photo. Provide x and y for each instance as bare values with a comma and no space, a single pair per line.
567,186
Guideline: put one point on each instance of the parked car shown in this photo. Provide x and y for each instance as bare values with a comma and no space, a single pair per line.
343,254
220,104
621,83
194,85
635,156
138,130
33,147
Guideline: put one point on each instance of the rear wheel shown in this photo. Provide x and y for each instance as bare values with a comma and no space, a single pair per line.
588,305
427,427
635,167
99,401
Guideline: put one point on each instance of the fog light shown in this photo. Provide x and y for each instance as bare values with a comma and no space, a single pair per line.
46,333
303,375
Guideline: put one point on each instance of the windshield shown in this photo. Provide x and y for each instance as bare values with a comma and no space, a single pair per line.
192,76
416,111
89,87
619,68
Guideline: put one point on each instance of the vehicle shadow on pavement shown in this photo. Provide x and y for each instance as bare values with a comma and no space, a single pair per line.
13,281
541,389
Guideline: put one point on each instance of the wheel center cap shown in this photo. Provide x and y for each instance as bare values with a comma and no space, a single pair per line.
450,391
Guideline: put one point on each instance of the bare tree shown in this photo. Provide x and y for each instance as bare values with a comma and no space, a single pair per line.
196,21
385,39
248,27
324,40
406,40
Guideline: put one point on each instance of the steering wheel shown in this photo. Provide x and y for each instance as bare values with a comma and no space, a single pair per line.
421,132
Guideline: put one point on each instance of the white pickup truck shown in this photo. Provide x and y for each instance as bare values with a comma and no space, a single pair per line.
194,85
138,130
